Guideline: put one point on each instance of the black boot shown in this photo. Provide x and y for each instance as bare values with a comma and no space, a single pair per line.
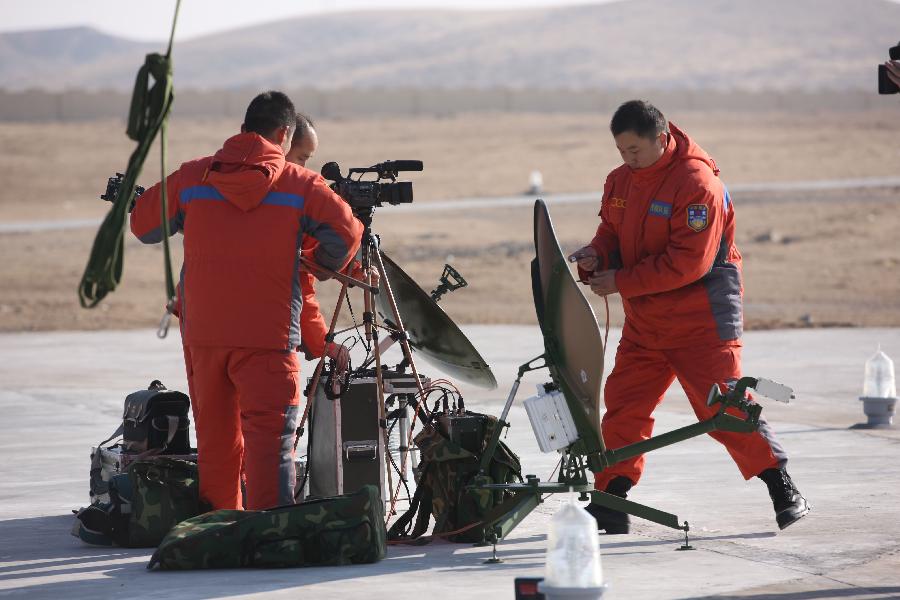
613,522
789,505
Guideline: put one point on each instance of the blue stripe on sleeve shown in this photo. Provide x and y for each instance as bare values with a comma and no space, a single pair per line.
200,192
208,192
283,199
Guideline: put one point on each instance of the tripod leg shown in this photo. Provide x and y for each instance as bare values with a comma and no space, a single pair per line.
372,337
404,342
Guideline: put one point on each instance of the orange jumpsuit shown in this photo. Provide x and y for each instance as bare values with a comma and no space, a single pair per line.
245,214
668,229
312,324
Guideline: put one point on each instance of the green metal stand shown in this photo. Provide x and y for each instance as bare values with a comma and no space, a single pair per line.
573,354
577,466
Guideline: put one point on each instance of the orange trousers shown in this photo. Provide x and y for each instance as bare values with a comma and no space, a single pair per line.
636,387
245,403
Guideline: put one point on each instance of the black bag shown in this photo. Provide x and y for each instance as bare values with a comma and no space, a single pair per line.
156,419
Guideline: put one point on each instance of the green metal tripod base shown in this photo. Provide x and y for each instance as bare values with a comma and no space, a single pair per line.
502,519
635,509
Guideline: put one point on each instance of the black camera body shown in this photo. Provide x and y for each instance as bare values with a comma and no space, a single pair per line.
112,190
370,194
365,195
885,85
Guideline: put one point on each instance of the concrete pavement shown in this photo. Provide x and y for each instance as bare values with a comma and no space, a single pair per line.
60,393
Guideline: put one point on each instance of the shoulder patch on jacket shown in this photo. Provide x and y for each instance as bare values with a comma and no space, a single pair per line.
697,217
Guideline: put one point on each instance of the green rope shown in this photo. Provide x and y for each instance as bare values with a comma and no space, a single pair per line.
148,114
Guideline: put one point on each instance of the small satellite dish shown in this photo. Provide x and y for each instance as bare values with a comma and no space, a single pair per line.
432,333
572,338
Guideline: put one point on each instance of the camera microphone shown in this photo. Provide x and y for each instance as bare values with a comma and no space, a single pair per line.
390,166
399,165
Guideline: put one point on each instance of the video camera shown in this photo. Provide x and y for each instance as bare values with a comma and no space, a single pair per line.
885,85
112,190
363,195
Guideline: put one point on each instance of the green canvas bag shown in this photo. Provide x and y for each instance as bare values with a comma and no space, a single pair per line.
339,530
146,501
447,471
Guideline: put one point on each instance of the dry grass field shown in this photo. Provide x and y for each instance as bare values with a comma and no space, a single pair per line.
811,259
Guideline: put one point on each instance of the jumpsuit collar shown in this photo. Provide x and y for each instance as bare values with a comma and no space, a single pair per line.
664,162
679,148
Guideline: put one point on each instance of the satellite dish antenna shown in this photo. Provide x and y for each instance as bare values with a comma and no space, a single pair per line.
573,343
431,332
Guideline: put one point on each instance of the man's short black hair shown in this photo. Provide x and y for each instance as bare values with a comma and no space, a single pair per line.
638,116
304,124
268,112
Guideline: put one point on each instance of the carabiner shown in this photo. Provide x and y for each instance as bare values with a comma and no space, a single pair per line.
163,329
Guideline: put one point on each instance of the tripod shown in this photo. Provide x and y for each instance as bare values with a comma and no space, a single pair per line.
370,256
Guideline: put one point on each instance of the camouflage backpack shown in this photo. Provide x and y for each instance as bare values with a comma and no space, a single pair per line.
446,469
145,502
331,531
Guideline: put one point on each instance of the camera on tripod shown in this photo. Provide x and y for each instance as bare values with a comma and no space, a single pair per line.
362,195
112,190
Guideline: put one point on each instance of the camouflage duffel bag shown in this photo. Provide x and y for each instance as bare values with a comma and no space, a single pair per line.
145,502
339,530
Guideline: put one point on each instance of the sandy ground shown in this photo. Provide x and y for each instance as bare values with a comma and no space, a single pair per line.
822,258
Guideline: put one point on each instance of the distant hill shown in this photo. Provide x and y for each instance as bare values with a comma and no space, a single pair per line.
659,44
58,58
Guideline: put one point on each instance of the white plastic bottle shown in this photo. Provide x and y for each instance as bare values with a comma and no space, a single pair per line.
573,550
880,381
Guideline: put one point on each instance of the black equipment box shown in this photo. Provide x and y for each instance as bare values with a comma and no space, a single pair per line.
346,442
466,430
155,422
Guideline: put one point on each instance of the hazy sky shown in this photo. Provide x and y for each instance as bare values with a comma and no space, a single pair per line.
152,19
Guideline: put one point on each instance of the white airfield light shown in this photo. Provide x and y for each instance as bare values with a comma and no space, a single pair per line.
879,395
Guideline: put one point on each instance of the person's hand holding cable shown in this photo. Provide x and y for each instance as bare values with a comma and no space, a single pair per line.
340,354
603,283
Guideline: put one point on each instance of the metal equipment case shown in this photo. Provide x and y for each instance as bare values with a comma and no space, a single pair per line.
346,443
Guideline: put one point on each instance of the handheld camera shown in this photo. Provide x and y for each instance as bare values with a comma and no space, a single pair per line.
885,85
112,190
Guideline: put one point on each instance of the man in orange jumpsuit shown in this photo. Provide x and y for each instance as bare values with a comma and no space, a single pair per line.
665,244
313,329
245,213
